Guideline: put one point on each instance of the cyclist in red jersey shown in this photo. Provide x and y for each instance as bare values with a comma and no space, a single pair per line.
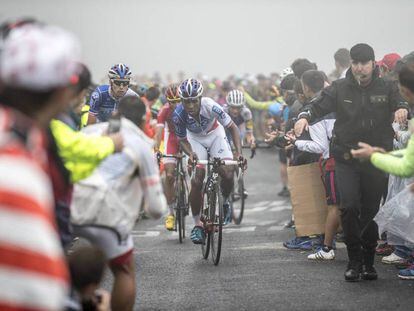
164,122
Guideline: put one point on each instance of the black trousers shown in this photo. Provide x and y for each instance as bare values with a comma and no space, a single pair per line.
361,187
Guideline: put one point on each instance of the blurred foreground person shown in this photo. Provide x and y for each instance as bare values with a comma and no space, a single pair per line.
38,64
75,155
107,204
87,265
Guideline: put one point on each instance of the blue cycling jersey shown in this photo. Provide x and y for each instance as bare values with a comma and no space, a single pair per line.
102,104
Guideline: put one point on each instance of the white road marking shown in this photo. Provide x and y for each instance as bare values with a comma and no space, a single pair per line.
264,223
239,229
255,209
279,203
279,208
145,234
275,228
275,246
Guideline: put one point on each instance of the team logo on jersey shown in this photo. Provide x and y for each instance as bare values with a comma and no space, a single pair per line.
95,95
219,111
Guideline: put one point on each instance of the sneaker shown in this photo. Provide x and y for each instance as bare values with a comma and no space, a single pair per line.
352,273
169,222
227,213
318,240
299,243
290,224
322,254
405,264
384,249
407,274
198,235
368,273
392,259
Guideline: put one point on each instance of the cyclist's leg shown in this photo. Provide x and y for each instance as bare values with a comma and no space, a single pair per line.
197,181
220,148
169,184
171,148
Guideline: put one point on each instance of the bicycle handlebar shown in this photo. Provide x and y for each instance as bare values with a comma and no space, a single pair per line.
222,162
171,156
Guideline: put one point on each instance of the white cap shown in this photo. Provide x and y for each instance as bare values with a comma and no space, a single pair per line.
39,58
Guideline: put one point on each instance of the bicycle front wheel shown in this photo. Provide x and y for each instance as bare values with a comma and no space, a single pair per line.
216,214
205,249
237,199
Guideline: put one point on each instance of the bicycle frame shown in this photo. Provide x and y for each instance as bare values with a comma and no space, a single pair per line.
181,206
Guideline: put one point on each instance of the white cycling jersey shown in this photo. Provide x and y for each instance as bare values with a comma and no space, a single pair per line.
211,115
206,132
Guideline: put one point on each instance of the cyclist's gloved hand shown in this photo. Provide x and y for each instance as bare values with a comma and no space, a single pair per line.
243,162
193,159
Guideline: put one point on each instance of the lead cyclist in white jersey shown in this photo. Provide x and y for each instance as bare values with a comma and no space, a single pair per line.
199,125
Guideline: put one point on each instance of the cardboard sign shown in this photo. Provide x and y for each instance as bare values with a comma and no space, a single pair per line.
308,198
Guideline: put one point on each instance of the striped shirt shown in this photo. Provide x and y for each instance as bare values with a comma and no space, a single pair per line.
33,273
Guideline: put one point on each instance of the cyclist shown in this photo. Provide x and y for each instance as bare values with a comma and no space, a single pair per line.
199,125
104,100
171,146
241,116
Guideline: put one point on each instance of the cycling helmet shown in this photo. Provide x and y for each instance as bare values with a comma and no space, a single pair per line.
119,71
285,72
190,88
172,93
235,98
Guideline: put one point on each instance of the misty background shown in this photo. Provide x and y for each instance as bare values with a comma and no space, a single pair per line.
222,37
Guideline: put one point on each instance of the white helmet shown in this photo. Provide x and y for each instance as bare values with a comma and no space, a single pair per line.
235,98
285,72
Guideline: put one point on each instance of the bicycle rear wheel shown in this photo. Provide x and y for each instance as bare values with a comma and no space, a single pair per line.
237,199
216,214
205,249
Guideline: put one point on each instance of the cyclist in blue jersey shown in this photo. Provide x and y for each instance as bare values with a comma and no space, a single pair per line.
200,126
104,100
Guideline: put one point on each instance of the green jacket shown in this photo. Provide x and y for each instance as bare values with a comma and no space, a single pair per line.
80,153
261,105
399,163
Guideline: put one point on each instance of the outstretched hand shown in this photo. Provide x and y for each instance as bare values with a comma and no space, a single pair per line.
365,151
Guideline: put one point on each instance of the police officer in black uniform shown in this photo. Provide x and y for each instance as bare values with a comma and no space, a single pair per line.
365,107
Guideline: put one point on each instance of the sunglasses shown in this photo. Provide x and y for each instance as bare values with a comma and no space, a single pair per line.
191,100
121,82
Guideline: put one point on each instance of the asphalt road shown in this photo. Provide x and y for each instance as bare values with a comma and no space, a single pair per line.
255,272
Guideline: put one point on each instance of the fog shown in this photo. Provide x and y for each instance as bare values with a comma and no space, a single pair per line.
224,37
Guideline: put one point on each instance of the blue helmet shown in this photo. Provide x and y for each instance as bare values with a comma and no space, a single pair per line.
119,71
190,88
275,110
